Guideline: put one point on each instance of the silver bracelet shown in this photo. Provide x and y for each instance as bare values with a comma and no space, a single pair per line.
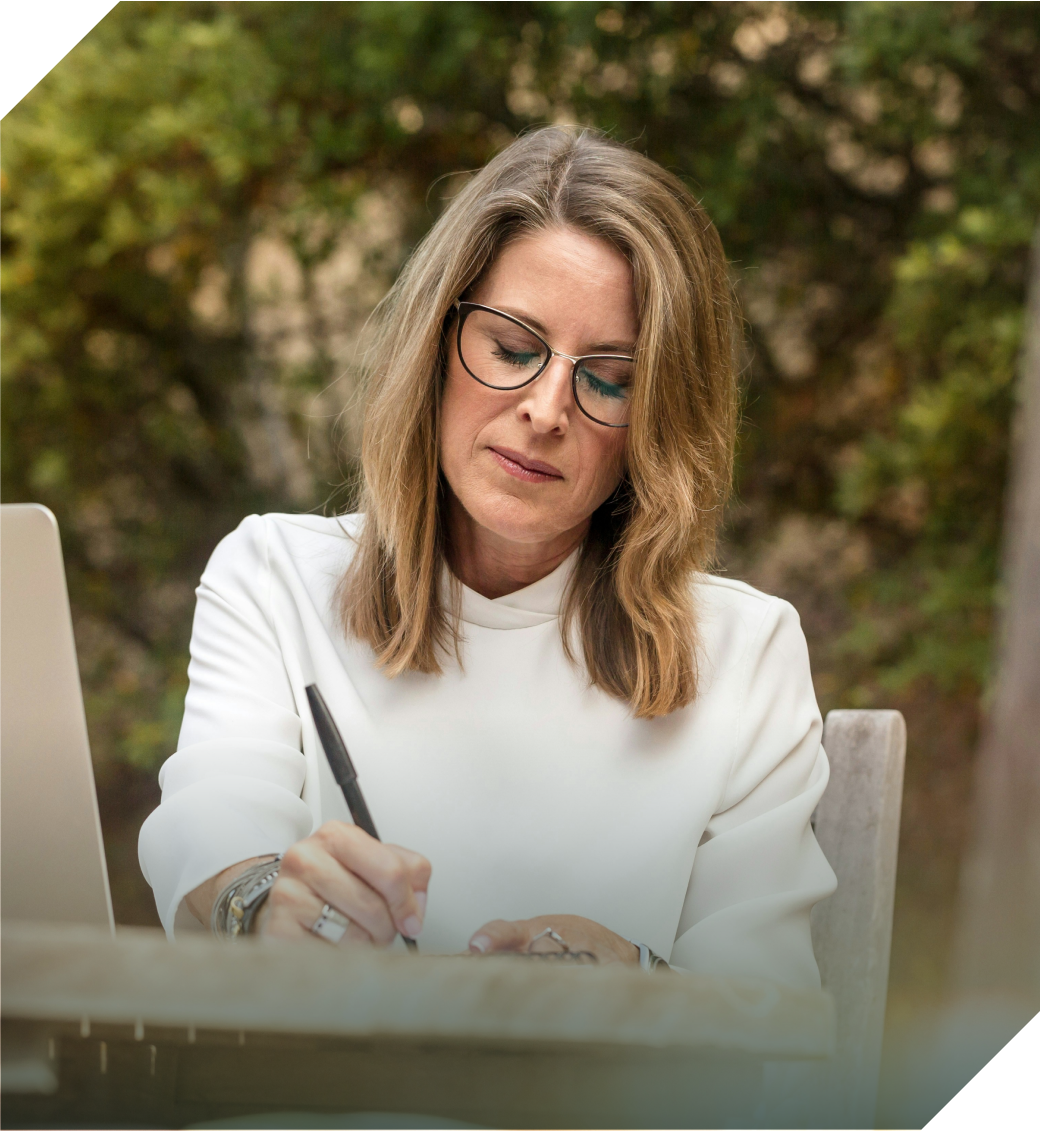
235,909
648,961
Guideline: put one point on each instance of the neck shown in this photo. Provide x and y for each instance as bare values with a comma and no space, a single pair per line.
494,566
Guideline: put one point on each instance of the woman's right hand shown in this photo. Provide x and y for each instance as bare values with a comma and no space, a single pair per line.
380,888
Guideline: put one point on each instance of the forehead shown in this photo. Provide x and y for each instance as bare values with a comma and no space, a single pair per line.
570,282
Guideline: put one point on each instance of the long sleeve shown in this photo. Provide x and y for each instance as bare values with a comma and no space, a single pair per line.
689,832
232,789
759,869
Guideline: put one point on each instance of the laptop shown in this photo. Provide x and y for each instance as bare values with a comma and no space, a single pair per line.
52,857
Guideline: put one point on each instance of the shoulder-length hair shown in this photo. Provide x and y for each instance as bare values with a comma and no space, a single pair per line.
630,598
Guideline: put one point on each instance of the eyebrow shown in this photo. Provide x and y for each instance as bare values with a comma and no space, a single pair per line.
627,348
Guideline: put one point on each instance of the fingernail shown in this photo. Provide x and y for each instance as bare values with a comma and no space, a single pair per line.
481,943
420,898
412,926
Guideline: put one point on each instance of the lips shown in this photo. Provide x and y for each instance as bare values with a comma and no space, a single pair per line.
523,467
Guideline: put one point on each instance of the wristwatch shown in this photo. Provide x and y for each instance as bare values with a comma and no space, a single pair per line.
235,909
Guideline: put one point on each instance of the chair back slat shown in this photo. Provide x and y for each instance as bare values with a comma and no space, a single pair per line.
857,825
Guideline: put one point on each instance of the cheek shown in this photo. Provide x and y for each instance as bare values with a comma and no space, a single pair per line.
608,457
464,412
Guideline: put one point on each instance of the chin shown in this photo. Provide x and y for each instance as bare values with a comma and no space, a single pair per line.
516,520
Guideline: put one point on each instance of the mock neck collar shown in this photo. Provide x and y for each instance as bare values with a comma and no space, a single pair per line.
534,604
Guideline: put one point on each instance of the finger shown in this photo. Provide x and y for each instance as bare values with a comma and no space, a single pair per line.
286,910
501,935
293,909
397,874
310,863
419,869
360,903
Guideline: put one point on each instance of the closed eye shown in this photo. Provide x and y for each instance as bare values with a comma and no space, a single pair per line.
602,388
522,359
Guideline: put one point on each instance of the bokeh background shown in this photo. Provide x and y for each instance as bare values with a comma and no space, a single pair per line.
203,203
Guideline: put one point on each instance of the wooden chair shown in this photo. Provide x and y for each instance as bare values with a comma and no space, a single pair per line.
857,825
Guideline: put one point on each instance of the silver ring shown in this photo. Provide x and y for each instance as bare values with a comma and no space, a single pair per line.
548,933
331,925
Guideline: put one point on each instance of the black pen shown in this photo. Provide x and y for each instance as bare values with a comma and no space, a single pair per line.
343,770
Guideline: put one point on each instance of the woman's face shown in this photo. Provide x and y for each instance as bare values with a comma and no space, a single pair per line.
527,466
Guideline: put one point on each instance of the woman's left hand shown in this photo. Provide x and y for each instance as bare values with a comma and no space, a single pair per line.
516,936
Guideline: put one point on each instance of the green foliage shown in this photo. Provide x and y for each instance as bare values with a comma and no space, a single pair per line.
874,170
930,481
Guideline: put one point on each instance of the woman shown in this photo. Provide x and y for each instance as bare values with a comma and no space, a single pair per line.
583,739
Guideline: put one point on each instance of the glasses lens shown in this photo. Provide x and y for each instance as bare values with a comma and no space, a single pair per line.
603,387
499,352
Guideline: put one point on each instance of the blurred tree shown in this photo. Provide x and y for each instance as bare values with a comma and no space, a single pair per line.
203,201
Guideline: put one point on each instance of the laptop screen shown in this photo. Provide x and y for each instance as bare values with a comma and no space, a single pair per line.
52,858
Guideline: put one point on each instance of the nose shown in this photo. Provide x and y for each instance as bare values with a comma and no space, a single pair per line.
546,403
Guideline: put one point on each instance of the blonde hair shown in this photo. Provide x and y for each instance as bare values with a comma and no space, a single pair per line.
630,597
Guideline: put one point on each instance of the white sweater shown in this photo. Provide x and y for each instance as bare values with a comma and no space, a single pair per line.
529,792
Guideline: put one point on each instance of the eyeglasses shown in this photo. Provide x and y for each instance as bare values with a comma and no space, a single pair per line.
500,352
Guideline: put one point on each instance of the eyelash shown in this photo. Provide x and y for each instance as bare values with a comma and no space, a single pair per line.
604,388
513,358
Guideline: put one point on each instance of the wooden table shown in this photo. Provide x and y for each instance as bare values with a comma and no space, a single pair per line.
134,1031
